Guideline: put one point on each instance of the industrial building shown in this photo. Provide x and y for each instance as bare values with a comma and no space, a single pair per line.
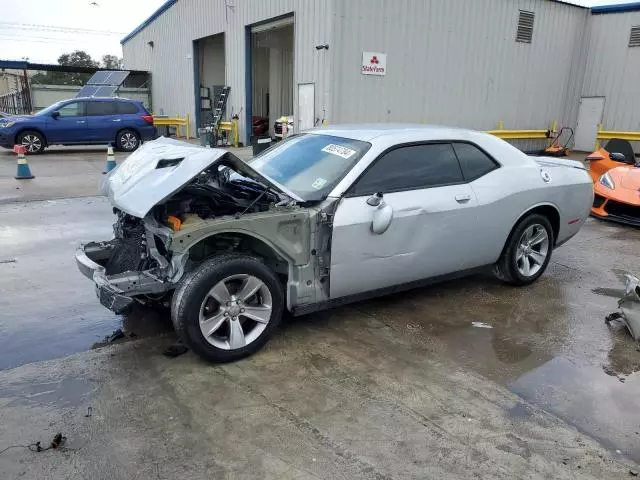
456,62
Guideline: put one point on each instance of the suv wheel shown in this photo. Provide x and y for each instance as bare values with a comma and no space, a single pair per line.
228,307
527,253
33,142
127,141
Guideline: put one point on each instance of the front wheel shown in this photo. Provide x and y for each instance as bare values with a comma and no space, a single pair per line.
127,141
228,307
528,251
33,142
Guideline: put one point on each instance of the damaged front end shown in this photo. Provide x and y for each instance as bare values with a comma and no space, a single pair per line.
133,264
162,189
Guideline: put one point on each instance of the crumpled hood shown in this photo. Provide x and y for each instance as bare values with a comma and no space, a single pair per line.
160,168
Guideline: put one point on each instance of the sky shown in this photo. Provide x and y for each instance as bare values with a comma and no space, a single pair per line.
42,30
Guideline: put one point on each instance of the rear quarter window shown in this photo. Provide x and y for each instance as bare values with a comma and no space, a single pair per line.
124,108
474,162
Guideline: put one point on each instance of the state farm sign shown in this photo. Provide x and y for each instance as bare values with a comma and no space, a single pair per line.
374,63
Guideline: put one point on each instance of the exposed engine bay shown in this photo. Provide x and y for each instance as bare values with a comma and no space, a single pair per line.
216,192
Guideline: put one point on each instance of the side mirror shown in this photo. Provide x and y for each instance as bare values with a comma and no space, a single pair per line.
55,115
382,218
618,157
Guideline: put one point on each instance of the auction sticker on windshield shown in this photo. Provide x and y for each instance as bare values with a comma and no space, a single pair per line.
339,150
319,183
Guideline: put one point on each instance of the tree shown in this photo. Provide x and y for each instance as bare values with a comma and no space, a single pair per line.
77,58
111,62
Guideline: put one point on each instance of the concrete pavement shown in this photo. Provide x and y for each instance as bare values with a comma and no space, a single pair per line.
341,396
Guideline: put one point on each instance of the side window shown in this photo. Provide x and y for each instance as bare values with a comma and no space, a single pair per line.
410,168
95,109
124,108
73,109
474,162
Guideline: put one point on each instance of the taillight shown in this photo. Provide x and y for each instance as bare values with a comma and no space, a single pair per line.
148,119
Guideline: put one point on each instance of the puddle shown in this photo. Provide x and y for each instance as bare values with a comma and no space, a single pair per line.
595,402
49,309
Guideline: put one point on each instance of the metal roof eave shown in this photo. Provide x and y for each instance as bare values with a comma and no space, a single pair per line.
163,8
618,8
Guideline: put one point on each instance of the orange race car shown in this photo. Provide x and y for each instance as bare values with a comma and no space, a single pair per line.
616,179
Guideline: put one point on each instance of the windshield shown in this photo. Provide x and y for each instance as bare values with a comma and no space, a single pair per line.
50,108
310,165
617,145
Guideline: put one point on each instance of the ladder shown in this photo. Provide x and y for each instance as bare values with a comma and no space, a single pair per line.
220,107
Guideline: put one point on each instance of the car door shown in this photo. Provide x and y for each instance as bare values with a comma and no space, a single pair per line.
68,124
482,173
431,230
103,121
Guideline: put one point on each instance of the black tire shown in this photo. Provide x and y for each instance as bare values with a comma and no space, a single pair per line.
32,141
189,297
506,268
127,140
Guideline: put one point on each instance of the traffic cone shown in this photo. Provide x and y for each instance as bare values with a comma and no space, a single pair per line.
23,172
111,160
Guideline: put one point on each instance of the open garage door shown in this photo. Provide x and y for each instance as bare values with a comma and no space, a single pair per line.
272,89
210,68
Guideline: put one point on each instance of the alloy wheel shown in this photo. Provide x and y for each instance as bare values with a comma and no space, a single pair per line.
532,251
31,143
235,311
128,141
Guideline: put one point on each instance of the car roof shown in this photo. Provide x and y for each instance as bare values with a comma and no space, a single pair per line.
368,131
105,98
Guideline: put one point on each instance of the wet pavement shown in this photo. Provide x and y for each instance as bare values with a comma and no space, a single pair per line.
547,343
48,308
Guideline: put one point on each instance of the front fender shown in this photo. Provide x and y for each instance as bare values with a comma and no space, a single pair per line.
286,232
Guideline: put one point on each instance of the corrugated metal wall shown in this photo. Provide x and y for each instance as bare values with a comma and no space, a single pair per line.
455,62
613,69
170,60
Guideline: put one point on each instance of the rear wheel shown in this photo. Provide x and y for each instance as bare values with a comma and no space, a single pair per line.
127,140
528,251
228,307
33,142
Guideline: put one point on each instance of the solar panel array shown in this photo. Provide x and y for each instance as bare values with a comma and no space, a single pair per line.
97,91
107,77
103,84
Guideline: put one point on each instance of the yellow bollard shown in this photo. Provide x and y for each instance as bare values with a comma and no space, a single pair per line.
234,132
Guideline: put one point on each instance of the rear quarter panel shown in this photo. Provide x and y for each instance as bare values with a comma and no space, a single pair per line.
507,194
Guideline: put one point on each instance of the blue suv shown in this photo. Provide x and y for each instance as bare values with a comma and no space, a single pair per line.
80,121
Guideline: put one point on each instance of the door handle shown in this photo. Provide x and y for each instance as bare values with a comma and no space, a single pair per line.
115,120
463,198
79,121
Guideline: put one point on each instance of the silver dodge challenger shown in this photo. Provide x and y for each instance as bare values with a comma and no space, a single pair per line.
326,217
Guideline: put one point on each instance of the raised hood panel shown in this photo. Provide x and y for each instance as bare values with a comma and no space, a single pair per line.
148,176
